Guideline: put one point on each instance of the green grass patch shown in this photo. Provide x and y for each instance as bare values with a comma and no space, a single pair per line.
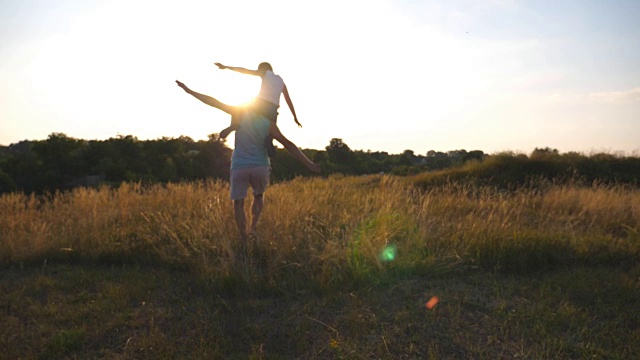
71,311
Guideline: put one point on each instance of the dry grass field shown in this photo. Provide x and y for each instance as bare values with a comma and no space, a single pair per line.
341,268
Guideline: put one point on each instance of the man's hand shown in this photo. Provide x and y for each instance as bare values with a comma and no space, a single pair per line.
220,66
183,86
295,118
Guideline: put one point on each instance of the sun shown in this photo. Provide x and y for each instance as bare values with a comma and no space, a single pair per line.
233,88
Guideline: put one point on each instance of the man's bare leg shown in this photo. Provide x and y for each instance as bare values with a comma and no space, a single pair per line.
241,218
256,210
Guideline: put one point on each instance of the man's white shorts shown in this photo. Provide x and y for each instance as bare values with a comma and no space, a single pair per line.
257,177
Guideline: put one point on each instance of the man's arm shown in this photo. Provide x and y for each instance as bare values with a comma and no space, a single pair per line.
292,148
287,98
238,69
208,99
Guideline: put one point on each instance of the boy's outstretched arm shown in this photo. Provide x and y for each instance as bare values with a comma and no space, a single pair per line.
287,98
238,69
292,148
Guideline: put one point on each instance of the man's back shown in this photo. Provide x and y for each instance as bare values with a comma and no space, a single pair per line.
250,150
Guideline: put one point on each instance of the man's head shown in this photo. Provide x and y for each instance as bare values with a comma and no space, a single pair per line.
264,67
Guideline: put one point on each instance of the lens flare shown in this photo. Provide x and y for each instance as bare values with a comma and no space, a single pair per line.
388,253
432,303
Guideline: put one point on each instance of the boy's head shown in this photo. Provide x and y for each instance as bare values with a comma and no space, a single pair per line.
264,67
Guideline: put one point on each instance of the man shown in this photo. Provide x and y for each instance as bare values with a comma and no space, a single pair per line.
250,165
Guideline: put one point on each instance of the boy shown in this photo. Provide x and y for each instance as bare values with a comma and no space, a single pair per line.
267,101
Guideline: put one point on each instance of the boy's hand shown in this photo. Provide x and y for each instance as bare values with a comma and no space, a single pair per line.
220,66
297,122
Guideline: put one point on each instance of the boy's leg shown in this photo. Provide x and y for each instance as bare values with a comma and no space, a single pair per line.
225,132
235,123
271,149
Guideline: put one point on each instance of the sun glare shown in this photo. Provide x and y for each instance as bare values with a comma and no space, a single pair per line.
235,89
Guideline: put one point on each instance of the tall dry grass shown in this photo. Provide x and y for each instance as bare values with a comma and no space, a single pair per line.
327,231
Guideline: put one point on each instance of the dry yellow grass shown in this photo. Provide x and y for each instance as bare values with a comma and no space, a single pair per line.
328,229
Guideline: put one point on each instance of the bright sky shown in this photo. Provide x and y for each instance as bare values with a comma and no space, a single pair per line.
383,75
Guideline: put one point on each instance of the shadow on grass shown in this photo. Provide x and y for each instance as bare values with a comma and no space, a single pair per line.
254,273
537,255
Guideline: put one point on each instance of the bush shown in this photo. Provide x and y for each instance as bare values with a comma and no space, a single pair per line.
509,170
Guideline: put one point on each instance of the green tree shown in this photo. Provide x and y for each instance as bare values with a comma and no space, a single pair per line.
340,156
59,161
6,183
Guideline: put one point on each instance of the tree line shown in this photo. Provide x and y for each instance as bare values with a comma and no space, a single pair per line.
61,162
